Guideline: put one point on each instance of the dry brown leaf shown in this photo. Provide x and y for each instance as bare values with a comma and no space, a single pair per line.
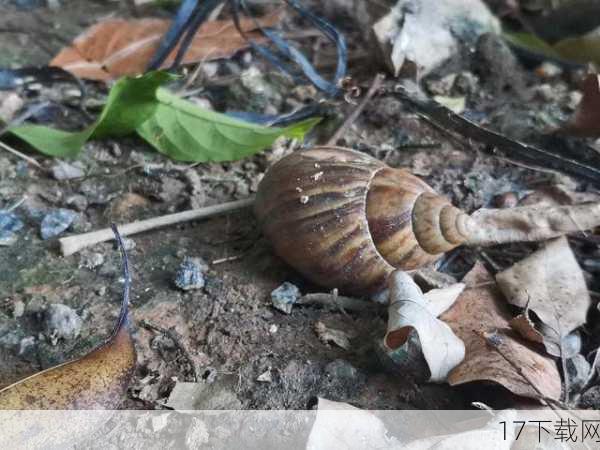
117,47
550,283
98,380
481,310
523,325
586,120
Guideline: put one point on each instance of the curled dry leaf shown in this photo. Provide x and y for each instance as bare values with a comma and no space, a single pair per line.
411,312
550,283
118,47
586,120
428,34
98,380
482,310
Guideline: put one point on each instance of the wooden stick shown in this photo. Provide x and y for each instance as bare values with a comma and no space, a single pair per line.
73,244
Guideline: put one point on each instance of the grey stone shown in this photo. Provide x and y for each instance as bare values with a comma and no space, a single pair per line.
56,221
62,322
9,225
190,274
284,297
65,171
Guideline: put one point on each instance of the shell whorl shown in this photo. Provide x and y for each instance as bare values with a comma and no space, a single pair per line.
344,219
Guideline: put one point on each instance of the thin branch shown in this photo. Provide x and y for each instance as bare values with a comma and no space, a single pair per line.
18,154
174,336
447,120
73,244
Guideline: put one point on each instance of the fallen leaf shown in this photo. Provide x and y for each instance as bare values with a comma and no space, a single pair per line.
431,33
490,436
410,312
581,49
330,335
481,310
523,325
118,47
131,101
174,126
185,132
550,283
98,380
585,121
340,425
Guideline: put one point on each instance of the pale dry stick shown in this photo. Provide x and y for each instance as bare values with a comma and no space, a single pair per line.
73,244
377,83
18,154
226,259
328,300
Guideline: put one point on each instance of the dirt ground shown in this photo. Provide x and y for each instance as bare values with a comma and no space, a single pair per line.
229,327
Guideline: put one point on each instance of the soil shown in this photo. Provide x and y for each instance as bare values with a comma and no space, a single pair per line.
229,327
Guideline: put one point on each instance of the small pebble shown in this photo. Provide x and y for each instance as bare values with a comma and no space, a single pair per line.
92,260
285,296
18,309
273,329
128,244
101,291
25,344
65,171
62,321
57,221
9,225
190,274
78,201
548,70
265,377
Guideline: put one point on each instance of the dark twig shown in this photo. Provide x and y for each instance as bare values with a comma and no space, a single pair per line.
375,86
450,122
124,314
176,339
16,122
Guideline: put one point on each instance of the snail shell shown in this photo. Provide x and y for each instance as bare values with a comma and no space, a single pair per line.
346,220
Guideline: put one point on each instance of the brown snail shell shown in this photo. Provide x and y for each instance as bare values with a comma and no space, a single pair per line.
346,220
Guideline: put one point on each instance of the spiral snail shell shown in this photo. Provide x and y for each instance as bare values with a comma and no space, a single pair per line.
344,219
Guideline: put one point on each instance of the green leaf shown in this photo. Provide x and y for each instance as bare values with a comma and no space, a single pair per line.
580,49
186,132
130,102
532,43
174,126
